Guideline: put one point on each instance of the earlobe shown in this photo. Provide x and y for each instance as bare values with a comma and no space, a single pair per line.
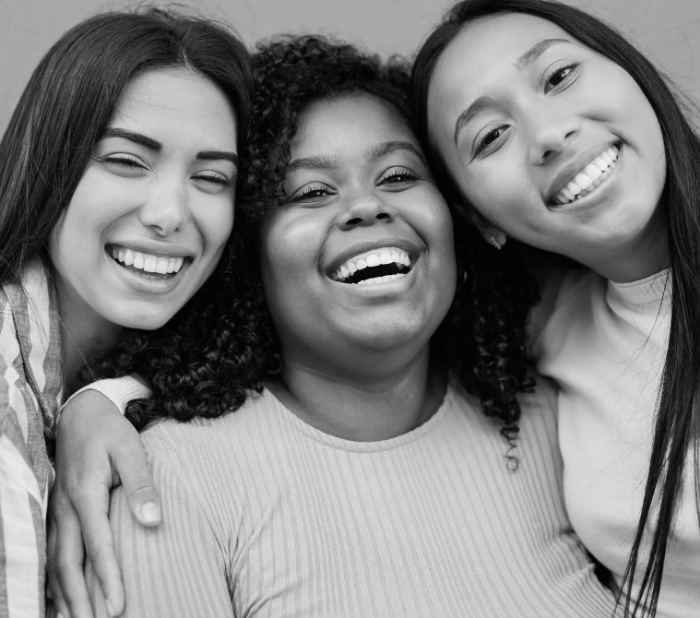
493,235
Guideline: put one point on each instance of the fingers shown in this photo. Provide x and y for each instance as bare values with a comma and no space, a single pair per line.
57,606
100,606
99,549
130,464
65,563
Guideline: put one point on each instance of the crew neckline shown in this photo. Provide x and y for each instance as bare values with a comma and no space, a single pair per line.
362,447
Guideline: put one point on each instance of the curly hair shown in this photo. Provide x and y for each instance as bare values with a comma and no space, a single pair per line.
223,343
211,354
483,338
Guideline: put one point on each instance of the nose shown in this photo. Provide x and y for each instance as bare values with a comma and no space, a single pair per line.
166,209
550,133
366,209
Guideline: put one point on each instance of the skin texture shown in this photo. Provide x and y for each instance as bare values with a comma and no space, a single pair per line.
172,200
166,200
544,117
357,181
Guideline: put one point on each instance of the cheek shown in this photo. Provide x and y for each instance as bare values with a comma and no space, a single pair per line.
215,222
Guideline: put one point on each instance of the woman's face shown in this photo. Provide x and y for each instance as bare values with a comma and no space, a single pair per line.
547,139
153,210
361,254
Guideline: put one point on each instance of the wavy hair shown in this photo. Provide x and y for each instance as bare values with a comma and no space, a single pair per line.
677,426
483,337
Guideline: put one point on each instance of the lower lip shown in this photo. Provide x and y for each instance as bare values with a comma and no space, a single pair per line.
381,288
151,283
596,196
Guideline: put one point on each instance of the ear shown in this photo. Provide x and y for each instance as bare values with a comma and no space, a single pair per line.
493,235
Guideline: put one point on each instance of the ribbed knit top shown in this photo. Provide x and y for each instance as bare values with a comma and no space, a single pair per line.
265,515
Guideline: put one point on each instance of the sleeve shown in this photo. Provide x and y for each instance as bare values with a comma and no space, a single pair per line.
177,569
23,488
120,391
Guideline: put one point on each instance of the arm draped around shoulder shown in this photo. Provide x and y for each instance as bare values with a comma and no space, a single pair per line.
177,569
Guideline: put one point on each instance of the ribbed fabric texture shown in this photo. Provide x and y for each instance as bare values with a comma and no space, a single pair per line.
30,391
605,344
266,516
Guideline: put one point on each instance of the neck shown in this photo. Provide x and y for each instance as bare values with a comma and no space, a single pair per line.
362,406
636,259
84,335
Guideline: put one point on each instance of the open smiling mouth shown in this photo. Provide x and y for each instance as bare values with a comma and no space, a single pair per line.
588,179
376,266
145,263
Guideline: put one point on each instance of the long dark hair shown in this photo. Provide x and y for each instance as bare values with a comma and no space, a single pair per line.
678,420
61,115
68,102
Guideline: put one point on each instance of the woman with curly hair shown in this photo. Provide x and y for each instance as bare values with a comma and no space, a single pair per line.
365,479
109,222
551,128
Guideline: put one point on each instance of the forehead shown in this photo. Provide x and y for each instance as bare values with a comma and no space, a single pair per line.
350,120
159,96
487,47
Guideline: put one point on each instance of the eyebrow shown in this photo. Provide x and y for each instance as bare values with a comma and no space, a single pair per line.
386,148
373,154
484,102
151,144
532,54
313,163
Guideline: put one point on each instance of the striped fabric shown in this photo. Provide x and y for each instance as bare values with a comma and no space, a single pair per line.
30,392
267,516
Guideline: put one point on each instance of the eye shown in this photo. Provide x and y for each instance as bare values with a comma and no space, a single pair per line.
560,78
124,161
490,138
397,176
213,182
311,193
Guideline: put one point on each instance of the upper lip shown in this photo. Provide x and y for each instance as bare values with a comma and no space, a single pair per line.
153,248
572,167
408,246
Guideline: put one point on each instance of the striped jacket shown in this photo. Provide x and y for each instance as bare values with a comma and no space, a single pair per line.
30,393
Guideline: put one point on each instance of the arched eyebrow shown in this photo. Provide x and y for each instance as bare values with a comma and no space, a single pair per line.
156,146
381,150
484,102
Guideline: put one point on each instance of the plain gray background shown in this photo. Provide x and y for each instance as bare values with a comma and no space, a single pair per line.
667,30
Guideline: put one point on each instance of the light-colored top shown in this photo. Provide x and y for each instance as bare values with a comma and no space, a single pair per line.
605,345
264,515
30,392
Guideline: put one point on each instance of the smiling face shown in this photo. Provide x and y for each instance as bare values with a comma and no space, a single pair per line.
153,210
361,254
551,142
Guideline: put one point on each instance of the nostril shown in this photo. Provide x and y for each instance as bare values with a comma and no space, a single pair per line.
384,216
354,221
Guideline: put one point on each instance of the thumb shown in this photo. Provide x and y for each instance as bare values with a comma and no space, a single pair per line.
132,469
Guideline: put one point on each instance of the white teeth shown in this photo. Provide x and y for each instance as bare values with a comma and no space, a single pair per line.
589,178
383,279
372,259
146,262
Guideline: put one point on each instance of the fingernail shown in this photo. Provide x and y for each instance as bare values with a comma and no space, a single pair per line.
150,512
110,610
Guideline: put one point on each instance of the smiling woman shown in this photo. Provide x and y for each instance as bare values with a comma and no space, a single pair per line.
112,226
365,479
548,127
